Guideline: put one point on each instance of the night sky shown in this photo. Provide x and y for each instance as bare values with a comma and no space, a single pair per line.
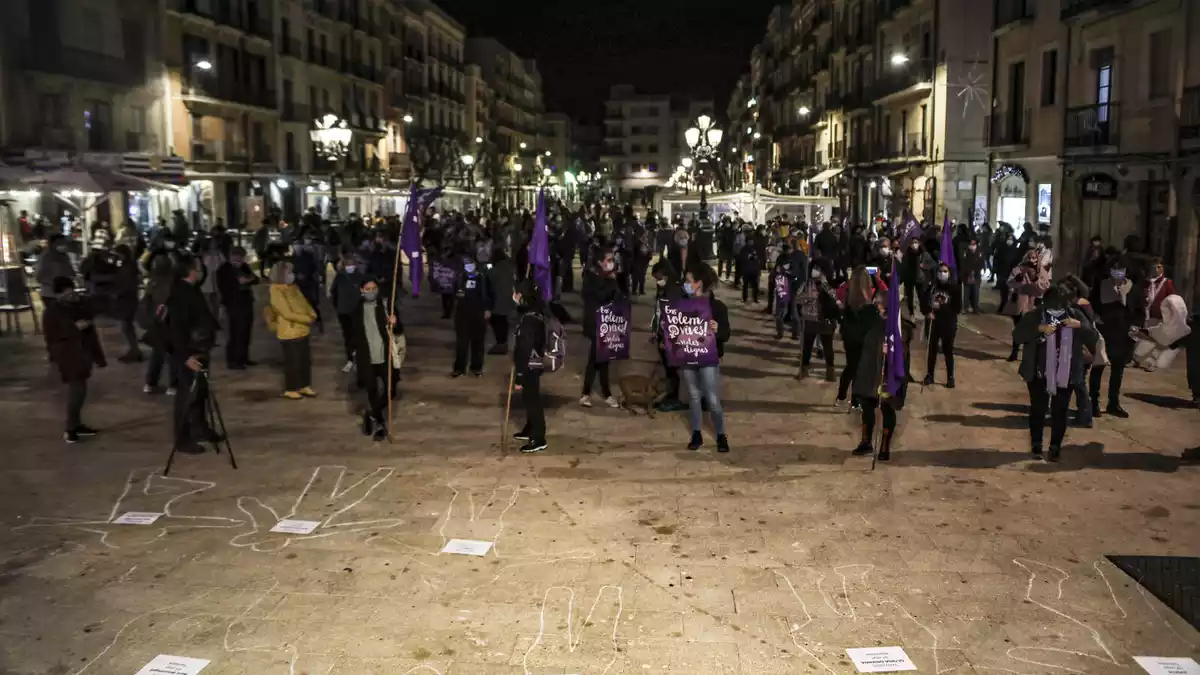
686,47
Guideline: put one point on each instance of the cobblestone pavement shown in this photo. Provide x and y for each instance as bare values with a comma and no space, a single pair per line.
616,551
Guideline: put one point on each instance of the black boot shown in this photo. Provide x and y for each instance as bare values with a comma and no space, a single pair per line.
885,446
928,380
1015,353
803,372
1116,410
949,381
1055,453
499,350
722,443
697,441
1096,412
864,446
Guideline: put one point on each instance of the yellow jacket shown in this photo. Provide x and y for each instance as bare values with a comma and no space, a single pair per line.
293,314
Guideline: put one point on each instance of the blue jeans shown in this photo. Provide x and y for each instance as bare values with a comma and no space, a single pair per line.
705,383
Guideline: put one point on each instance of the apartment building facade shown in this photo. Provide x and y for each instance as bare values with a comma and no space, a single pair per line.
221,95
877,102
1096,124
643,141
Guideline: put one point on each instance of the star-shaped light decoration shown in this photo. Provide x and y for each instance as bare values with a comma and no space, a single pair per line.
972,88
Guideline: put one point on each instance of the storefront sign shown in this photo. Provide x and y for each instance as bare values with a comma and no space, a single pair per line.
1098,186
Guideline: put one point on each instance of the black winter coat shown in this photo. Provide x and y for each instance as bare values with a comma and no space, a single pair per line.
72,349
597,290
358,337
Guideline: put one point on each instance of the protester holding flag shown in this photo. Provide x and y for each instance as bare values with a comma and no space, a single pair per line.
599,288
941,306
419,200
781,293
527,355
882,378
856,322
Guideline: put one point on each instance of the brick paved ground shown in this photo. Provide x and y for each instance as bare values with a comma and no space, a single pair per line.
617,551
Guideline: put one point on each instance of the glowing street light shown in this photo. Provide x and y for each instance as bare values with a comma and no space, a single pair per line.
546,172
281,184
804,111
478,139
468,160
204,64
523,145
517,167
331,137
757,135
687,162
899,59
547,153
408,119
703,139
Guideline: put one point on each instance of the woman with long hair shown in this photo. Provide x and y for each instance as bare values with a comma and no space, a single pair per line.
855,323
599,288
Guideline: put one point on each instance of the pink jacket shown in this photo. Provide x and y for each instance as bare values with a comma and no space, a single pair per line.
1029,284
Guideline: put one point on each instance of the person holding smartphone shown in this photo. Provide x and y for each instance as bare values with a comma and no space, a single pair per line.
1054,337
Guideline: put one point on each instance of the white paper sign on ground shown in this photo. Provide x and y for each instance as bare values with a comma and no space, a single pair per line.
296,526
467,547
1160,665
165,664
880,660
137,518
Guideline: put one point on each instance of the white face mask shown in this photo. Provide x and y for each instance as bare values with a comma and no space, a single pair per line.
816,274
943,276
660,282
607,265
885,252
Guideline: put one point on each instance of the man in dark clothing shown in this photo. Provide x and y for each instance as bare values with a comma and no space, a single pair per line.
970,269
236,282
751,271
826,243
190,331
73,346
472,311
667,289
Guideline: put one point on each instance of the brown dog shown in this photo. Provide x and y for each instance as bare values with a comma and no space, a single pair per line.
640,391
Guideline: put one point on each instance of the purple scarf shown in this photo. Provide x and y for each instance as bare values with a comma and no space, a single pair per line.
1058,370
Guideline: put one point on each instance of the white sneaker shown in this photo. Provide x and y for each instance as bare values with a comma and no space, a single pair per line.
348,367
585,401
170,391
612,402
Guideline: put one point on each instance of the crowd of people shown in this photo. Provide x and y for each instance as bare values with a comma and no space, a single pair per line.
822,282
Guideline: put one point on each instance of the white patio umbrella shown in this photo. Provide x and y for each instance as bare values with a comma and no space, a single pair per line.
85,188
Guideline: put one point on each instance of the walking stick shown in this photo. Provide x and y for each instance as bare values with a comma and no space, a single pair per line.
512,374
389,374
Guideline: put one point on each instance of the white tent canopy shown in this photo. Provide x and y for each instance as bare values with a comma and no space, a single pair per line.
756,205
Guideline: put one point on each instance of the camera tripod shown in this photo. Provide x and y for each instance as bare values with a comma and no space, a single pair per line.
212,415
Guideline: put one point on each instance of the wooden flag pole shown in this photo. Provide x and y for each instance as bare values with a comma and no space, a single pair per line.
392,312
512,374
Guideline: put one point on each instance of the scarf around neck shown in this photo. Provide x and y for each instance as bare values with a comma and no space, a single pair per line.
1058,359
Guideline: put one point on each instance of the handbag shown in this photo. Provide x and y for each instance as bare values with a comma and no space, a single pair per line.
1099,357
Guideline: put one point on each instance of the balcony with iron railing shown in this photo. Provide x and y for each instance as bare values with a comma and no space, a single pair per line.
81,64
1008,13
294,112
1073,8
1008,128
1189,116
292,47
240,93
1092,127
230,15
136,141
896,79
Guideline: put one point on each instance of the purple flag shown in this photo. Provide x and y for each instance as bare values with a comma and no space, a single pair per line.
947,255
912,230
612,331
687,335
539,250
410,237
894,337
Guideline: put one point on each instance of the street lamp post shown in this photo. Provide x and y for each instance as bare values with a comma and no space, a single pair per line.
331,137
703,138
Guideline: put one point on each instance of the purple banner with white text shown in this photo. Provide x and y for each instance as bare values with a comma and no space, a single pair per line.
612,331
689,337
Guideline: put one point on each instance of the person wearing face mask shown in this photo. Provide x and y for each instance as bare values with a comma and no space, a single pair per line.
599,288
970,269
703,382
666,289
307,263
474,301
236,282
1026,284
530,345
1158,288
1054,336
500,273
55,262
857,317
372,338
1115,316
190,335
871,377
779,293
817,307
74,348
751,271
941,306
916,273
345,294
293,318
